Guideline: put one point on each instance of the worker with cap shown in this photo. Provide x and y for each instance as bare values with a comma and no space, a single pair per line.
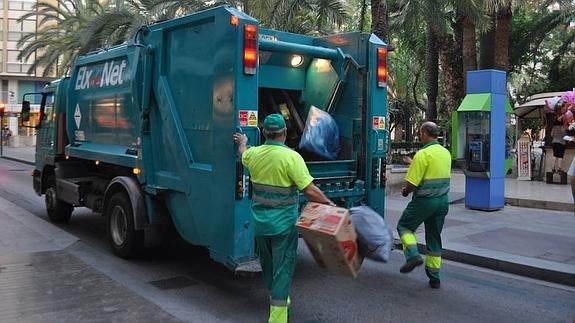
428,178
277,174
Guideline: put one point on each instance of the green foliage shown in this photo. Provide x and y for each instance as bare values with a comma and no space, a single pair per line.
542,58
57,42
306,16
358,13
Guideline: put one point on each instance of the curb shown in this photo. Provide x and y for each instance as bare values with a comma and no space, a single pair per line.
534,204
539,273
55,237
545,274
19,160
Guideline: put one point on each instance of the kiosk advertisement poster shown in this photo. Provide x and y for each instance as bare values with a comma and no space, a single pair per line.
524,159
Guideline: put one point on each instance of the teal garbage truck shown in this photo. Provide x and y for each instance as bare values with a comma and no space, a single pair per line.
142,132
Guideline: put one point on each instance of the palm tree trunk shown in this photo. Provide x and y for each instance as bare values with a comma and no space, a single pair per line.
504,16
362,14
452,68
469,45
380,19
431,74
487,46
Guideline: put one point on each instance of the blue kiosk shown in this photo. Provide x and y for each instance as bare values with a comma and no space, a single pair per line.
481,139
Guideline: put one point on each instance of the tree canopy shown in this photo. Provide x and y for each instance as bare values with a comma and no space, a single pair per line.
435,42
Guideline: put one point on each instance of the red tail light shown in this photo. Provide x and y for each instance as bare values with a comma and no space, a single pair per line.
382,67
250,49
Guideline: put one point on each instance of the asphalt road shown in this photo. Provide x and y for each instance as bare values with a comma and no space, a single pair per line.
184,282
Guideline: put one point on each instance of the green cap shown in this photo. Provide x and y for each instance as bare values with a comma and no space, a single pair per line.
274,123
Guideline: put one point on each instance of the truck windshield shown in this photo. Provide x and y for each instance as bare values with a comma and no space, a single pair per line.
48,108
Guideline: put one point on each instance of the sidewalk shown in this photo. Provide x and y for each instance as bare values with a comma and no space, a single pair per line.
21,154
41,282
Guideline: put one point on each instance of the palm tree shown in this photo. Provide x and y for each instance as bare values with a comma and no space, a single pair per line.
74,27
56,44
453,53
306,16
122,20
503,23
410,16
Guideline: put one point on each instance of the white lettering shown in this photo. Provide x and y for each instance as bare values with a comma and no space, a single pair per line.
83,80
112,74
81,71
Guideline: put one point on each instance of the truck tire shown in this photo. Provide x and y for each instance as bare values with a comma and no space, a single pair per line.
124,240
58,210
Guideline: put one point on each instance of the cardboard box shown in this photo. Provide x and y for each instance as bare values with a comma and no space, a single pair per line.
330,237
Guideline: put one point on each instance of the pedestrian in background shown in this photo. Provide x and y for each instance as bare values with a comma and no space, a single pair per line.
277,173
7,133
428,178
557,133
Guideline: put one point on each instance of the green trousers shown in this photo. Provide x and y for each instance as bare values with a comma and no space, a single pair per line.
278,255
431,211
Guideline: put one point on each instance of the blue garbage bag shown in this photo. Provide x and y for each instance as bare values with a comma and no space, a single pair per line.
374,237
320,135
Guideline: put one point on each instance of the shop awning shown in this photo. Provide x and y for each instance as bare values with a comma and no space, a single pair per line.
532,108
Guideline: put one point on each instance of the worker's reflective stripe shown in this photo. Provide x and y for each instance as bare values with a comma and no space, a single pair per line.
433,187
278,314
274,202
433,262
408,239
274,195
274,189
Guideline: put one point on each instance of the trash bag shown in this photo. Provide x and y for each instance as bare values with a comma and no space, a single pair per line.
374,237
320,135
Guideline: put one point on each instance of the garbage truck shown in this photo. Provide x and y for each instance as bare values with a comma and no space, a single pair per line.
142,132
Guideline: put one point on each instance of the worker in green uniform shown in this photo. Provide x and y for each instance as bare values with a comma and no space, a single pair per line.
428,177
277,174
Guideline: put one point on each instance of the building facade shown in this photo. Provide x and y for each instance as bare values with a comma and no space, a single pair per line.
15,77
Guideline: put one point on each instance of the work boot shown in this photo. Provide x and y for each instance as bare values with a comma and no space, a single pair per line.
410,264
278,314
435,284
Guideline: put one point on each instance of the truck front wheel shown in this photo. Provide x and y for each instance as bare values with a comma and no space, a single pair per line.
124,240
58,210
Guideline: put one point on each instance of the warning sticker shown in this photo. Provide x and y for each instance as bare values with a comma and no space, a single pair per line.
378,123
77,116
243,117
248,118
253,119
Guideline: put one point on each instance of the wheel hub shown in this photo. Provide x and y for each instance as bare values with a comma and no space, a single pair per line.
118,225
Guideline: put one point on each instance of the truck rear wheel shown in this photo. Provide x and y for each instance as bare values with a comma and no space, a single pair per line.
124,240
58,210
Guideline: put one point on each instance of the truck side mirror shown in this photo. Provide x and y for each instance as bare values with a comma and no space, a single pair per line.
25,113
